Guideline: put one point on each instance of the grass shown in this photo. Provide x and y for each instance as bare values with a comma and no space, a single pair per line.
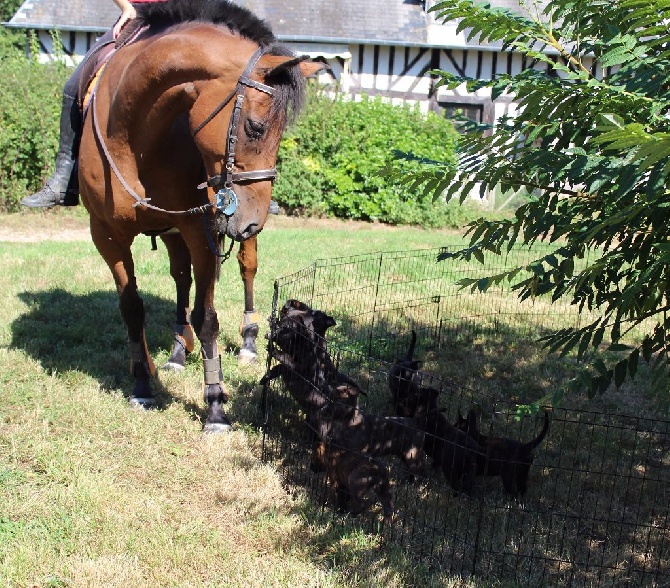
94,493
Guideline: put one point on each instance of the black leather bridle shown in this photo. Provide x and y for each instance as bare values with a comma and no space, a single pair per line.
226,199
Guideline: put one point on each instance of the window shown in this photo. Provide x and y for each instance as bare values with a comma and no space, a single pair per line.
459,110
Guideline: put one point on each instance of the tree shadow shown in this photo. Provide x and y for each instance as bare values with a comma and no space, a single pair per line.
590,467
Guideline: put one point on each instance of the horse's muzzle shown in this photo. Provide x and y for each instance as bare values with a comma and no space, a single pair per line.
231,227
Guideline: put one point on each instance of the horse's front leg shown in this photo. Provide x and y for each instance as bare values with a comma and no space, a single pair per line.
180,270
247,258
206,324
117,254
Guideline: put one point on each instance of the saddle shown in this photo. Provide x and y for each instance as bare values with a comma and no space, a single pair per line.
93,66
95,62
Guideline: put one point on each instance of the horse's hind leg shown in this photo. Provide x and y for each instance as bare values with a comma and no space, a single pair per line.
247,258
180,270
117,254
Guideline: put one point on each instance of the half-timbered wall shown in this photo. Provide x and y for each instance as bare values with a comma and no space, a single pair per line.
397,73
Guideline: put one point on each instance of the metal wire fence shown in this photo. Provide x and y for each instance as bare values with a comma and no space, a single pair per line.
597,507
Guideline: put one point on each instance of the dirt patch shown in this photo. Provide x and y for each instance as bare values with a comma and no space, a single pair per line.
38,226
71,224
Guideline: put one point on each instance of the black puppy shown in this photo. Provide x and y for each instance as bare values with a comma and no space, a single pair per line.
501,456
343,423
352,475
404,376
304,364
405,382
451,450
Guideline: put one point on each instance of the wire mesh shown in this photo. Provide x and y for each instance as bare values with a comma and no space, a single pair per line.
596,510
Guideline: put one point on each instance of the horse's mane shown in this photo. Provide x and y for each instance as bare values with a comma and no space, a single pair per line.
289,84
237,18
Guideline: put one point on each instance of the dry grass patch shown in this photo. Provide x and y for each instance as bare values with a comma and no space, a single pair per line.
93,493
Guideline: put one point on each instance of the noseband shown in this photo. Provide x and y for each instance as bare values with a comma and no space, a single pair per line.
226,199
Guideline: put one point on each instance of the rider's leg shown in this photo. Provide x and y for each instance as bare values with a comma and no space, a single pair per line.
55,189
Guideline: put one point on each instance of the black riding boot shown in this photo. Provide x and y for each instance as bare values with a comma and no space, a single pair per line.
62,187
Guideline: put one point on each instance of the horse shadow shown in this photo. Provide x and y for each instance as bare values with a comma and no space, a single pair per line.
65,331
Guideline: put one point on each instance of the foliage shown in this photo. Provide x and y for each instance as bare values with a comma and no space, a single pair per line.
30,100
328,162
593,136
8,8
11,40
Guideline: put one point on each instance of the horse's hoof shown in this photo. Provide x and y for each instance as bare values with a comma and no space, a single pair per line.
173,366
217,428
144,403
245,356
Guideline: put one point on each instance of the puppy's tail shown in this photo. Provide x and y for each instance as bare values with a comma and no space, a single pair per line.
543,433
410,350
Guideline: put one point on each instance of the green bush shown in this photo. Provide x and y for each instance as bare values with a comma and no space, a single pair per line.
329,162
8,8
30,99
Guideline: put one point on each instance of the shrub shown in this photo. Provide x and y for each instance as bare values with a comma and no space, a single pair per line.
8,8
329,162
30,100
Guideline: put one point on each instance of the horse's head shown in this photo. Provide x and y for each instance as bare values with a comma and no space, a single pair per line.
238,132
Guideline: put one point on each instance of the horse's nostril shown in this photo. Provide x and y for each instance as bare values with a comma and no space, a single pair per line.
251,230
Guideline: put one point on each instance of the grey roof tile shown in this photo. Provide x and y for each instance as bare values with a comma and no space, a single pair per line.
402,22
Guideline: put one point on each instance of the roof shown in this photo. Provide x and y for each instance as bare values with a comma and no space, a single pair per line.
399,22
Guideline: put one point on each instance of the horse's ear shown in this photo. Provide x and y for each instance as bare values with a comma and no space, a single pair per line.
273,65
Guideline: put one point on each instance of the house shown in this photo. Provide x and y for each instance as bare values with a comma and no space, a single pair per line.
377,47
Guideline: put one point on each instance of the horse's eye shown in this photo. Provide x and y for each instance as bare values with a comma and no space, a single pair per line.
254,129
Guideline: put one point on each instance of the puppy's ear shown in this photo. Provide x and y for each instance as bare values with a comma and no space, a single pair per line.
322,322
328,320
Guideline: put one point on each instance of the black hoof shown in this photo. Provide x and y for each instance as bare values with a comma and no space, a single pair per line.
217,422
248,352
247,356
177,359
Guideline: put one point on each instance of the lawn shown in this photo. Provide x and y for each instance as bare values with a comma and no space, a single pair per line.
94,493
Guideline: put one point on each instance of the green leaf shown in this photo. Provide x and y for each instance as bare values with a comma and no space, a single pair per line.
620,371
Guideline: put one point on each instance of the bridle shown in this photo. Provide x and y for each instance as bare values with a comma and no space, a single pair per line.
226,199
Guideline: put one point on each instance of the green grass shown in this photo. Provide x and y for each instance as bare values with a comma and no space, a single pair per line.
94,493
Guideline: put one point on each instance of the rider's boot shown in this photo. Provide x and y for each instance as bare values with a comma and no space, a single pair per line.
61,188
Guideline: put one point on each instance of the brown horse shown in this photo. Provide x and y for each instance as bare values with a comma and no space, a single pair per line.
182,132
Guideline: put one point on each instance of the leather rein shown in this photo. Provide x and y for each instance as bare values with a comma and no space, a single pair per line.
226,199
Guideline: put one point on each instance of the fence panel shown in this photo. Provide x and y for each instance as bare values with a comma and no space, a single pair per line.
597,507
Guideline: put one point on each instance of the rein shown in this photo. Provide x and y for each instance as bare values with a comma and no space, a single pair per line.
226,202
